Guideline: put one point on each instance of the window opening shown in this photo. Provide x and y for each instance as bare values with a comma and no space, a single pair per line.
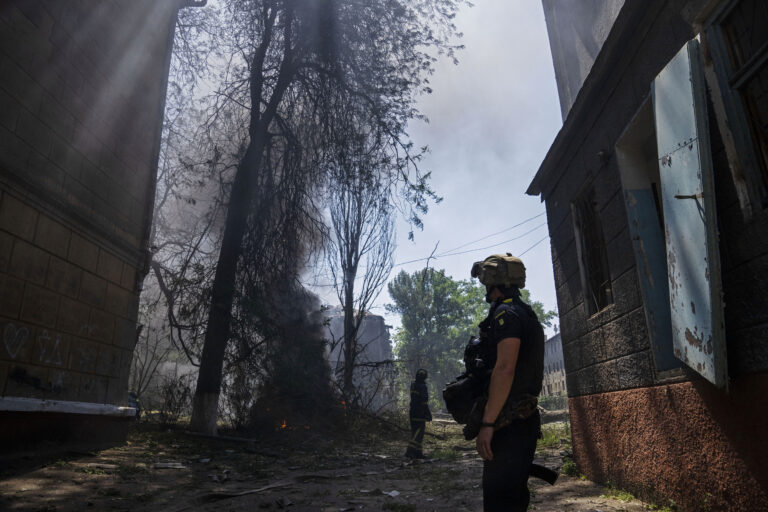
739,45
637,156
593,257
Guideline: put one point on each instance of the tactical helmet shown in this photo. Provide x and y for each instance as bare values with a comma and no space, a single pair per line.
500,270
421,374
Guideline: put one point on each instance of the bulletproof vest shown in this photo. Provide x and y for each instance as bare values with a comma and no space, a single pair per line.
480,357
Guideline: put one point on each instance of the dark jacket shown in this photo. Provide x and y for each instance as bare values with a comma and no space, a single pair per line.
420,401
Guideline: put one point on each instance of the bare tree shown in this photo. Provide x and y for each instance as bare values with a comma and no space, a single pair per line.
283,57
362,234
150,352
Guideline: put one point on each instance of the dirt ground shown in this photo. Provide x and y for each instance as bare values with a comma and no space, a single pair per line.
295,470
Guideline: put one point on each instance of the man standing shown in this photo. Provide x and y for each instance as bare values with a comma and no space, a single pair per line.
513,342
419,415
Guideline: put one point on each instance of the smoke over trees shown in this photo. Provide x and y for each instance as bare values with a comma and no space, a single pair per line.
308,106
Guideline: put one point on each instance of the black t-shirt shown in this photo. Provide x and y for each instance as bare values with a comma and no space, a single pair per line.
513,318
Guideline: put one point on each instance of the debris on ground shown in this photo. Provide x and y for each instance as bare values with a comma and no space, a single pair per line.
360,470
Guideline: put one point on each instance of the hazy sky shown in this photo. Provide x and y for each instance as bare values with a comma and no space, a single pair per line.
492,120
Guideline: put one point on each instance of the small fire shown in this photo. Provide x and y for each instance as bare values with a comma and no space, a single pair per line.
284,425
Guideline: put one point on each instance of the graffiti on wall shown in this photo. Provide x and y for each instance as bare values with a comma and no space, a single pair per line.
14,338
50,349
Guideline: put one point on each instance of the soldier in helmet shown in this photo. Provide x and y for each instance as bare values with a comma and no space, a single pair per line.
510,423
419,414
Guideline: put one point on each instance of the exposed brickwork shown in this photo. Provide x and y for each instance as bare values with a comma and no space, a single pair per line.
80,110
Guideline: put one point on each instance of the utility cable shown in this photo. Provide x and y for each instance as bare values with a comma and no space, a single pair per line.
492,234
497,244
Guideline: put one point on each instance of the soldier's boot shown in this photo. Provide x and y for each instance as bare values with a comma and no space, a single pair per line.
412,453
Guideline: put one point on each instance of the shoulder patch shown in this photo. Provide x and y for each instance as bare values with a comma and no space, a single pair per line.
500,316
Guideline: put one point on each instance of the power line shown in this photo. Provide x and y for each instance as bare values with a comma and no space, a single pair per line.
497,244
455,254
492,234
451,253
534,245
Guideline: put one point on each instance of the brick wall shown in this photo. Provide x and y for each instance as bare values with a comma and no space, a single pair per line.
81,99
608,351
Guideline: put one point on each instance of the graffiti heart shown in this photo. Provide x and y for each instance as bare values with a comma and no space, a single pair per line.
14,339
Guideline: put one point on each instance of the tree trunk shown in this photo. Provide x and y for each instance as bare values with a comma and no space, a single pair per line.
206,400
350,338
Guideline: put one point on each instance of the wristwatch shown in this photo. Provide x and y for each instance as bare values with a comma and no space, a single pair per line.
487,424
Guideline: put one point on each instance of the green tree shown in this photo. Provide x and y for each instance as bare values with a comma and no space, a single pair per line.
438,315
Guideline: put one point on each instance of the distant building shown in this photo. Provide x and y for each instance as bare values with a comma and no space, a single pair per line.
82,92
656,191
554,369
375,372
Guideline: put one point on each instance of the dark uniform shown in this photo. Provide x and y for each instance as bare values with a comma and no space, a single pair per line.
505,478
419,414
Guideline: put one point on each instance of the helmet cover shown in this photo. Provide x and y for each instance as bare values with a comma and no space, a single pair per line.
500,270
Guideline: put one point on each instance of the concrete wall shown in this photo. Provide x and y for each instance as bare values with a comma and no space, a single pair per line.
577,30
81,103
680,438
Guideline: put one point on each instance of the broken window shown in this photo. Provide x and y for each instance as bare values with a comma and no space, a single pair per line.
593,258
737,39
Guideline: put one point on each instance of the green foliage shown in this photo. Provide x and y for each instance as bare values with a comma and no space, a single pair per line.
438,315
569,468
612,492
556,435
672,507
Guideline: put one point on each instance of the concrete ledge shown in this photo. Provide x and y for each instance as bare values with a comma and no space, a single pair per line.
51,432
19,404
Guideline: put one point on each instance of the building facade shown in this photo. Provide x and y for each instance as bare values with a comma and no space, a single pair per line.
374,375
656,190
82,93
554,368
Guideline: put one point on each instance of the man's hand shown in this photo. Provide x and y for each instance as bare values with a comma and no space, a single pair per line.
483,443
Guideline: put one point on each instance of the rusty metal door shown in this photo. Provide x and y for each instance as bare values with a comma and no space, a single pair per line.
693,260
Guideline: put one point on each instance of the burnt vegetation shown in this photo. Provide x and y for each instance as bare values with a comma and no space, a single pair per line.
285,154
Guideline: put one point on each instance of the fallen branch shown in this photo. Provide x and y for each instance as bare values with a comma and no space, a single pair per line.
223,495
210,497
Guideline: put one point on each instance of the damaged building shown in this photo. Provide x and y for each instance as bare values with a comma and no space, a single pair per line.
374,374
82,93
553,382
656,191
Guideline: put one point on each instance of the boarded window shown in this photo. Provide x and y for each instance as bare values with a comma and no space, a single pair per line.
593,258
